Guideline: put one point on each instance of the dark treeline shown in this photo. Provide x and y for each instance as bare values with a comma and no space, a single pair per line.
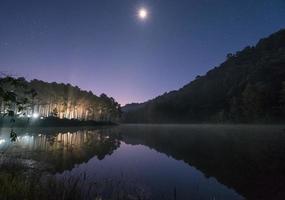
248,87
44,99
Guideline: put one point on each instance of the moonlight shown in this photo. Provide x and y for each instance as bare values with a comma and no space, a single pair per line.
142,13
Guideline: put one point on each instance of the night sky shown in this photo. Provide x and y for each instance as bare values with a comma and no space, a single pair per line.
102,45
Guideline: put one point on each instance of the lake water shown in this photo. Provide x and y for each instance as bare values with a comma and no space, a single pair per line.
160,161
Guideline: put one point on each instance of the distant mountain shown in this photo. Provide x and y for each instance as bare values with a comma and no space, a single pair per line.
248,87
132,107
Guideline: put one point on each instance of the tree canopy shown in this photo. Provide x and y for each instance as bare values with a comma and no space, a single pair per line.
53,99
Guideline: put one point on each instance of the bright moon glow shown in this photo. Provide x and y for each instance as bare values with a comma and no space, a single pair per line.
142,13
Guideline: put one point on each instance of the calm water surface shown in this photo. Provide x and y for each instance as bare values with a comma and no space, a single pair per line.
161,161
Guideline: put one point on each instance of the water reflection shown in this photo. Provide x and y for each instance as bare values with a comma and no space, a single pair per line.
163,162
60,150
250,159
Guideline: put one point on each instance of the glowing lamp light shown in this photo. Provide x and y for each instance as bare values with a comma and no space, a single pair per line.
2,141
35,115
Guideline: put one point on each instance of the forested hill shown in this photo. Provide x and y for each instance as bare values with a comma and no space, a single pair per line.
248,87
54,99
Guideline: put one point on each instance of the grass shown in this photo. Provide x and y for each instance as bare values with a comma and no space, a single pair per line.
18,181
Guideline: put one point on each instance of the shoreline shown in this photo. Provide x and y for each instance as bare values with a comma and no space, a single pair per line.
51,122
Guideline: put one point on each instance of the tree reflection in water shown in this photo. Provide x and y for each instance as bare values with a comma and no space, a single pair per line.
60,150
249,159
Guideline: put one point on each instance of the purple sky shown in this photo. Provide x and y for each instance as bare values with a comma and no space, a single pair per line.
101,45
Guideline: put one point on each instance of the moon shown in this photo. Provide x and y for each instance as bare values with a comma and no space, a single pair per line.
142,13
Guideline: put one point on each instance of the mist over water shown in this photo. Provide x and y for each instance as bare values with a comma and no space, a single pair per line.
161,161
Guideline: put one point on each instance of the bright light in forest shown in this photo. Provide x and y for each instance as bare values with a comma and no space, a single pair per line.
2,141
35,115
142,13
